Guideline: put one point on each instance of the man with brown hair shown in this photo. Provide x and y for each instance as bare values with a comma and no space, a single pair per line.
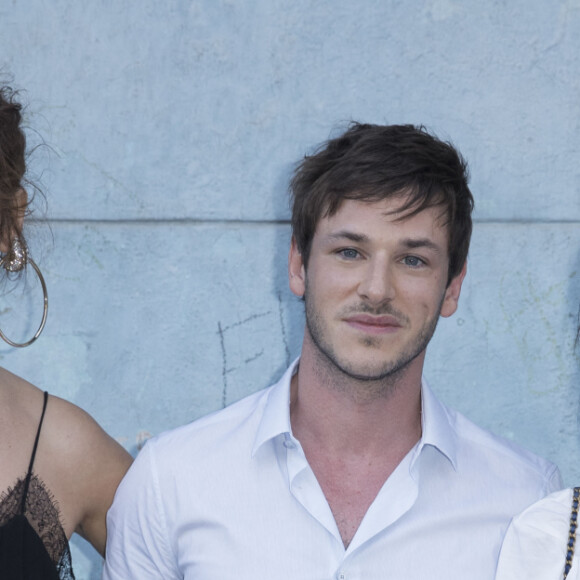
348,467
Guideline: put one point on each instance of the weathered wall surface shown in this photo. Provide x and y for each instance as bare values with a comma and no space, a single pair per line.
174,126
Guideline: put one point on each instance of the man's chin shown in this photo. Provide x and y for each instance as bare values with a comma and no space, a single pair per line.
369,372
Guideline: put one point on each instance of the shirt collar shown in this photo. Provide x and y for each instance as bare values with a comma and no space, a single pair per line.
276,416
436,419
437,423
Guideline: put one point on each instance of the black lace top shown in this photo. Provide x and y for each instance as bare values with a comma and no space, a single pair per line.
33,545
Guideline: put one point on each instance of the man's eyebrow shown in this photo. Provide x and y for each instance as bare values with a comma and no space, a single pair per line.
413,243
409,243
348,235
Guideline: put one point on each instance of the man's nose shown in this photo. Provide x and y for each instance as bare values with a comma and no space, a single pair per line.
377,284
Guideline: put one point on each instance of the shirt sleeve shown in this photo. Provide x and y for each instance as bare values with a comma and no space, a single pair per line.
137,537
535,544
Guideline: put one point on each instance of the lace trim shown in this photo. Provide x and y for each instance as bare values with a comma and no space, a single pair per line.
43,514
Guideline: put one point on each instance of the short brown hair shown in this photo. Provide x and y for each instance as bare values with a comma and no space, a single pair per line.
376,162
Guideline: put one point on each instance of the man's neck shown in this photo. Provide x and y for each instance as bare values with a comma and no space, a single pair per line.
345,415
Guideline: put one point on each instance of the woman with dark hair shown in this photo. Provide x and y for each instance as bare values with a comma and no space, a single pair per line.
58,469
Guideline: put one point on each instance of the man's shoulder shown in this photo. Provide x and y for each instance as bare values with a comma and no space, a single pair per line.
215,428
498,454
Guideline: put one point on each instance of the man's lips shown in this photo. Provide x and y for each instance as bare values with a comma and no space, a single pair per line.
383,324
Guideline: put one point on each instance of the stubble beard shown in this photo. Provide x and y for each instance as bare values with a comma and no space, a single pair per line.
344,374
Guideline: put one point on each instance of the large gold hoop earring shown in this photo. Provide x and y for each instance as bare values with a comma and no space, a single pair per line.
14,261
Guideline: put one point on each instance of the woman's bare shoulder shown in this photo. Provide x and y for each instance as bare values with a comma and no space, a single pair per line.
78,461
84,448
68,432
17,394
20,411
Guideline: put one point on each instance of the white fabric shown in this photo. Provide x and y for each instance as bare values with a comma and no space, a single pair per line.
232,496
535,543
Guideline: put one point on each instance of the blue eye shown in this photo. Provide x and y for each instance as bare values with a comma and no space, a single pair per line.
413,261
349,253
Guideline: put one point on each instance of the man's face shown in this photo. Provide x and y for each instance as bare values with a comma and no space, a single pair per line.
375,286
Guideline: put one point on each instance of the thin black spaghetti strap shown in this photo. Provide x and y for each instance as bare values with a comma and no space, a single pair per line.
29,474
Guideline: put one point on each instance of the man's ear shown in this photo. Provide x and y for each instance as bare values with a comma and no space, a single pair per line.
296,271
22,202
452,293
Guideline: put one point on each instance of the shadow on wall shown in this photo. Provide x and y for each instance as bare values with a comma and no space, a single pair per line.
573,300
292,309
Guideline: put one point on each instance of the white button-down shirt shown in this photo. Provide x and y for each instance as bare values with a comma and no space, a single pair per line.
536,542
233,496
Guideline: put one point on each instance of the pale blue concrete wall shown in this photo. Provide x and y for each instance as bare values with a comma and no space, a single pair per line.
174,126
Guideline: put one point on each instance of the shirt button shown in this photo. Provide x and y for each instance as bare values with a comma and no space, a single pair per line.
289,444
341,576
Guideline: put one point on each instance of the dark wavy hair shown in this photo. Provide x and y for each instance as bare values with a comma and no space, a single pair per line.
13,204
376,162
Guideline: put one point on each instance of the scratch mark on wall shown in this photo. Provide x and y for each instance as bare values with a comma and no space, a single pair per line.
226,370
246,320
537,300
224,365
257,355
113,183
